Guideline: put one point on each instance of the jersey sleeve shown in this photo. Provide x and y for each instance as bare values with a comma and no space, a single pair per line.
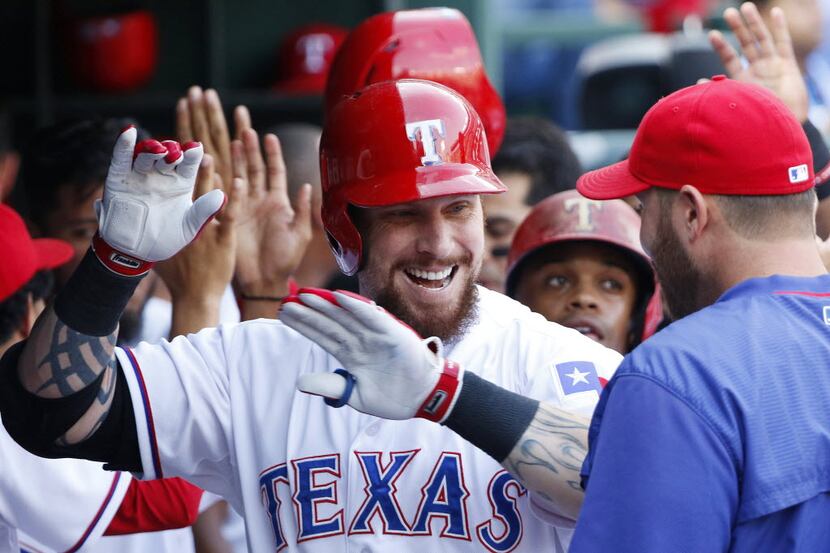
156,505
657,477
56,504
564,368
180,398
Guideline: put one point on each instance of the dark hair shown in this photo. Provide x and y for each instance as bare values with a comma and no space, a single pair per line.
73,153
541,149
13,308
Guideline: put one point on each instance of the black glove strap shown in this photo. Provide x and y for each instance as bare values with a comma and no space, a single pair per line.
94,298
490,417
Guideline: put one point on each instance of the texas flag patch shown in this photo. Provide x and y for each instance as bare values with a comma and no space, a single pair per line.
579,376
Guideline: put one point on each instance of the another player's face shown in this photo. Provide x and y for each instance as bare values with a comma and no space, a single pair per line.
503,213
74,221
422,261
587,286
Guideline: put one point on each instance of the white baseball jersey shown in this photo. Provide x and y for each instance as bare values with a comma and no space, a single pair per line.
53,504
220,409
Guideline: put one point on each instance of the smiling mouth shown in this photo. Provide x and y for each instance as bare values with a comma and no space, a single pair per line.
431,280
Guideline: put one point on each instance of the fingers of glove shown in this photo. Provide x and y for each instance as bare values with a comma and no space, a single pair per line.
167,165
190,160
329,385
331,310
370,315
318,328
147,153
122,154
202,211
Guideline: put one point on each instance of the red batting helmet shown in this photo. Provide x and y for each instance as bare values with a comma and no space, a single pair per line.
569,216
396,142
434,44
115,53
305,57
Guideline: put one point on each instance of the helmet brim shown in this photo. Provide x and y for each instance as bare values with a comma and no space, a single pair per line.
422,183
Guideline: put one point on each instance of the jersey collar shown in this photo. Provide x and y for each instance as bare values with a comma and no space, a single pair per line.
780,285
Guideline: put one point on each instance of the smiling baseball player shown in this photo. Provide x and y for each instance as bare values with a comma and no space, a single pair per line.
402,165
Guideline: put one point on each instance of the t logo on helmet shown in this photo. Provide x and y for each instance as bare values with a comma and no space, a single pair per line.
422,131
583,209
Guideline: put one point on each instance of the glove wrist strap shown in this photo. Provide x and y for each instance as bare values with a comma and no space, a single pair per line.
118,262
440,401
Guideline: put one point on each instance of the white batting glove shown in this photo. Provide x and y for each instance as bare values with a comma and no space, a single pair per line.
390,371
147,213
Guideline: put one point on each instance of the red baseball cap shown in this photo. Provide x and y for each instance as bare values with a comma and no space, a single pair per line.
722,137
22,256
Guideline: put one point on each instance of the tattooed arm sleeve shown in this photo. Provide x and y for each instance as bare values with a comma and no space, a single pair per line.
547,458
64,381
58,362
541,445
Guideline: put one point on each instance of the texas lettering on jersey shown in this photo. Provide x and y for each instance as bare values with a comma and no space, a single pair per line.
301,487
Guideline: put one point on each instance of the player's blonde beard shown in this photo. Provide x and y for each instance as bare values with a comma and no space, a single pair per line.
447,323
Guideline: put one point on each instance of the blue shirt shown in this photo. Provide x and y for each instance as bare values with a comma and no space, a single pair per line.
714,435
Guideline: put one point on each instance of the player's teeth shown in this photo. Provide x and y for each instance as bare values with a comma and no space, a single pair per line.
430,275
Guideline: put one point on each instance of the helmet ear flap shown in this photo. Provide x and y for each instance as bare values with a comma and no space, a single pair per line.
346,244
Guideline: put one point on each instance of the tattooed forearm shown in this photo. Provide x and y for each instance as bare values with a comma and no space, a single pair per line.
97,413
59,361
548,457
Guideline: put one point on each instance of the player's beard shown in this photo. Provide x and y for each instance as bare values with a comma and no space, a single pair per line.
681,282
449,323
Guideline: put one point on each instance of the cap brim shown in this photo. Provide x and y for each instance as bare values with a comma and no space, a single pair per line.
610,183
52,253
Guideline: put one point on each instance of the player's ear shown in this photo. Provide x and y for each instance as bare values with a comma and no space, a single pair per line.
694,213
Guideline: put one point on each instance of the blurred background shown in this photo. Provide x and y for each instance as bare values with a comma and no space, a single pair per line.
591,66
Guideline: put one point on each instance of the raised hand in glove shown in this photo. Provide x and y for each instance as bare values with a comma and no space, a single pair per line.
390,371
147,213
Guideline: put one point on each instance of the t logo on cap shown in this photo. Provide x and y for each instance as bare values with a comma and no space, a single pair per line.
422,131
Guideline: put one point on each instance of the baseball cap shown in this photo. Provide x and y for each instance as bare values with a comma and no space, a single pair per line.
22,256
722,137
